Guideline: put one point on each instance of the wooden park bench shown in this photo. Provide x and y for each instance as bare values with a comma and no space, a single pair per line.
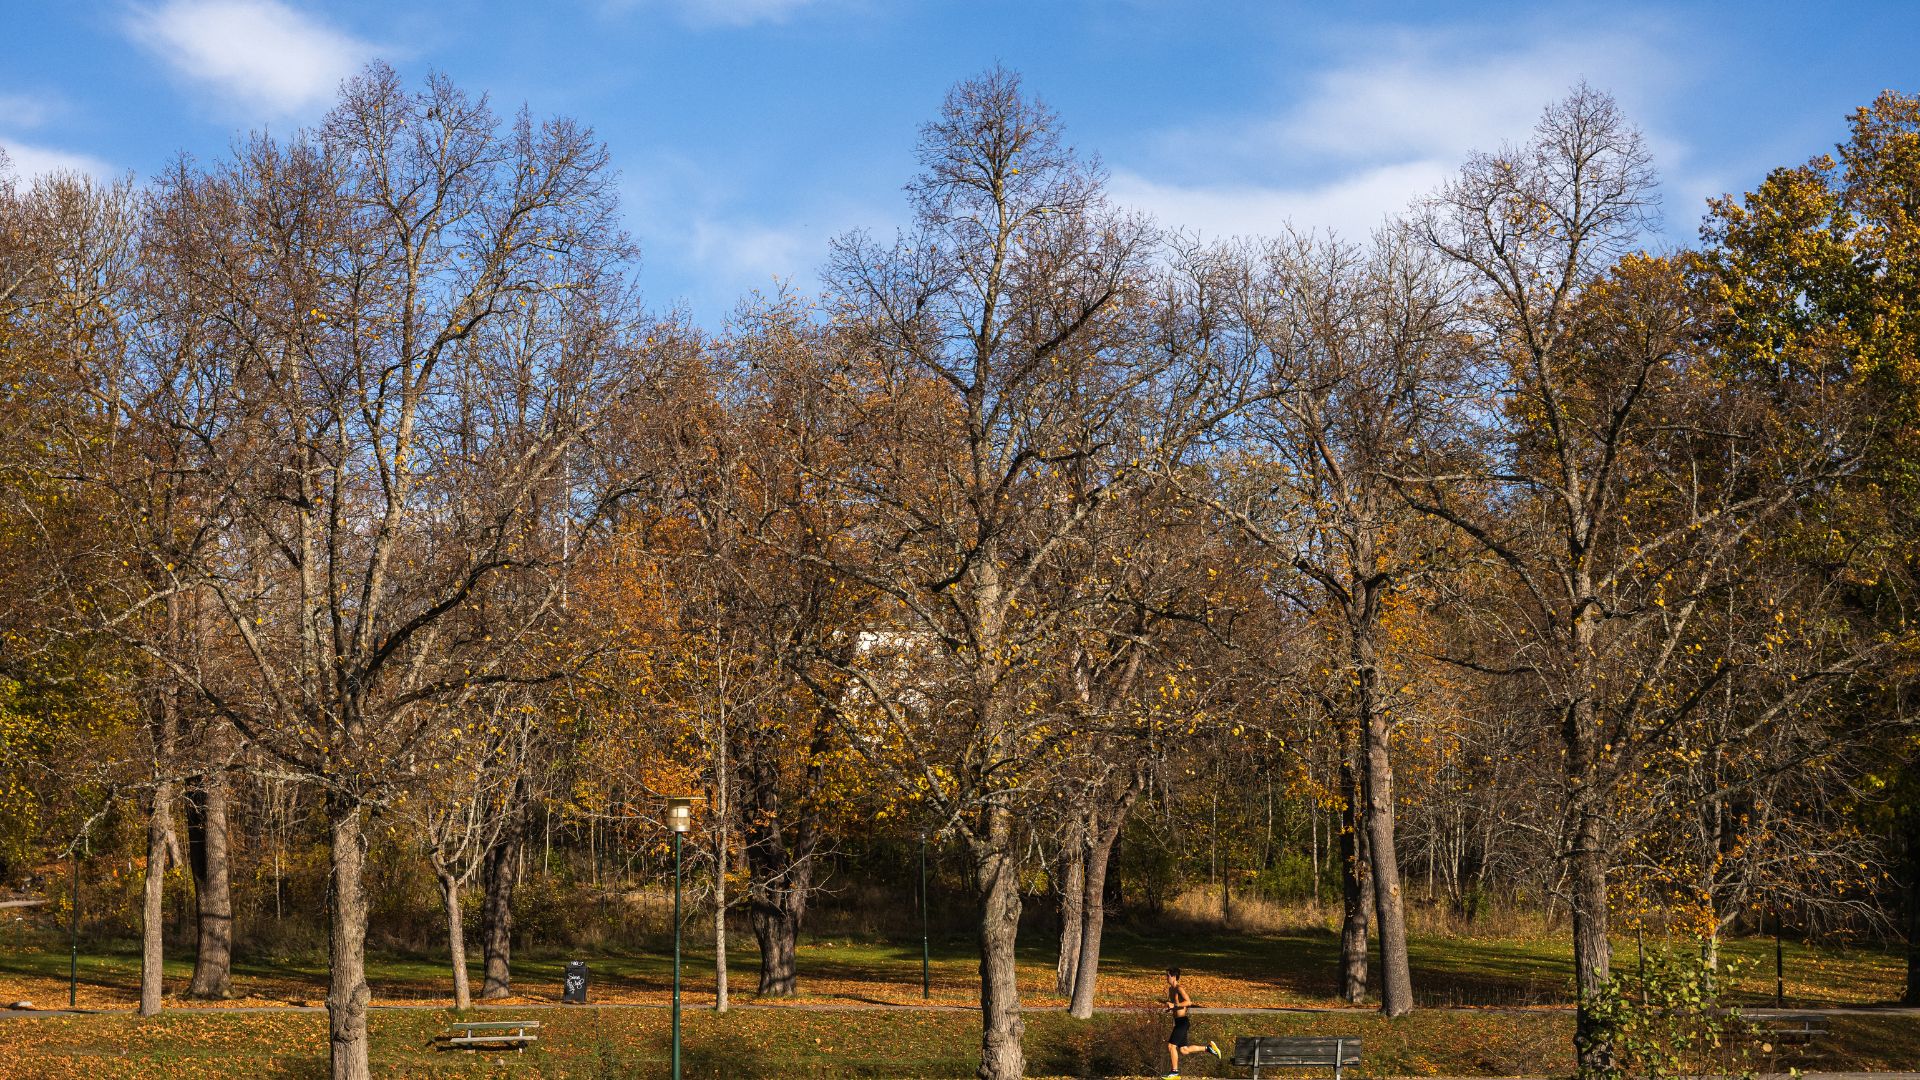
1264,1052
1797,1032
1793,1030
515,1033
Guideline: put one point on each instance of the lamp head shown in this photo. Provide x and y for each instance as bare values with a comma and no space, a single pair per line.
680,814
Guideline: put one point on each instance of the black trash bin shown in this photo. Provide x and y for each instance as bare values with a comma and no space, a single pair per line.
573,984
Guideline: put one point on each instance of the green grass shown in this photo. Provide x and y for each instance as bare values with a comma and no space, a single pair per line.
610,1042
1226,968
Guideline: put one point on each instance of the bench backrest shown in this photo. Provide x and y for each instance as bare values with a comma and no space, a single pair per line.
495,1025
1290,1050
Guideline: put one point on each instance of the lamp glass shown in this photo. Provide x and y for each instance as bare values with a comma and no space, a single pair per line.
679,815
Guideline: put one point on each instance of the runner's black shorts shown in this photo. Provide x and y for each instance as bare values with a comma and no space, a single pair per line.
1179,1035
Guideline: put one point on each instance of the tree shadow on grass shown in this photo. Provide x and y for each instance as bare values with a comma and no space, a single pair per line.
1304,967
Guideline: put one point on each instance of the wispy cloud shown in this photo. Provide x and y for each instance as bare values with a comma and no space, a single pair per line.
1447,96
1351,206
23,112
256,55
1378,129
27,160
750,253
709,241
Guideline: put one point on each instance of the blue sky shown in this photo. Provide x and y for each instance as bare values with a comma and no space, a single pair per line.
749,132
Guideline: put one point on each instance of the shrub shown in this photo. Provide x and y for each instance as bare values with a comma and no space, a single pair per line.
1668,1021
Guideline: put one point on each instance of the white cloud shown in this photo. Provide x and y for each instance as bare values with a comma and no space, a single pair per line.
1449,97
28,161
1351,205
709,237
749,252
20,112
710,258
1377,130
256,54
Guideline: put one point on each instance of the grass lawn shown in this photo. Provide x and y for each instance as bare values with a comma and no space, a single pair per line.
614,1042
1224,968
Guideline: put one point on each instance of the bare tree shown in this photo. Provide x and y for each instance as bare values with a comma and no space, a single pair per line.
465,797
1150,610
1353,354
67,281
1620,482
377,345
984,349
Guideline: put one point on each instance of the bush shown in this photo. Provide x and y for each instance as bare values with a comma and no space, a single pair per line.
1667,1021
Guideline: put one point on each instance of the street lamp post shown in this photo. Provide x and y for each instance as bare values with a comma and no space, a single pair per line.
679,815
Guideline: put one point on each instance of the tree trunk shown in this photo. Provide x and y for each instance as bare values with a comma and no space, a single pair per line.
1912,996
1101,837
347,992
499,875
152,945
1373,730
777,930
1592,959
1353,887
1099,855
722,790
777,890
720,1001
1072,885
1383,862
1911,820
1226,888
207,852
1580,738
1313,833
1001,1027
1472,873
456,942
779,844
